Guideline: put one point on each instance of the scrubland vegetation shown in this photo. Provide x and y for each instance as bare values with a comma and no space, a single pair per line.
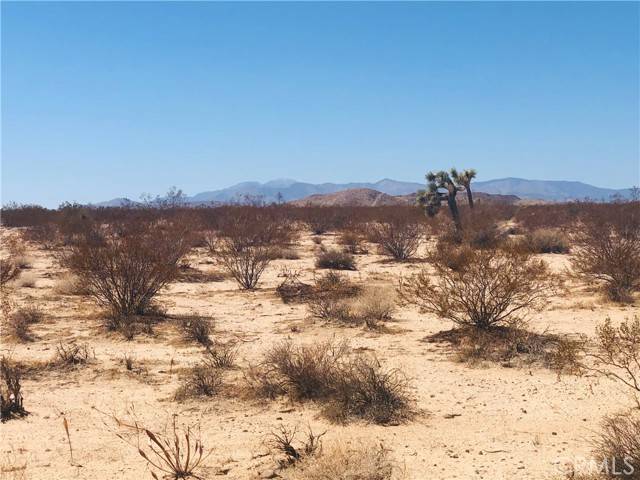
381,325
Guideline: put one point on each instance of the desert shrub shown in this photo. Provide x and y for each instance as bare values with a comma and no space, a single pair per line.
301,371
348,386
543,241
20,321
495,287
365,461
69,284
196,329
454,256
352,242
124,267
513,345
71,354
203,379
292,289
285,253
618,445
45,235
363,389
221,355
616,354
373,305
608,249
11,398
336,260
398,237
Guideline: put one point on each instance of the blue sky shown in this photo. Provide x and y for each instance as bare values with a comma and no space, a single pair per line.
114,99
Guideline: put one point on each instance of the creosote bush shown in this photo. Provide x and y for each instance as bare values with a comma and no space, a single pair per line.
608,249
492,288
618,445
124,266
398,237
336,260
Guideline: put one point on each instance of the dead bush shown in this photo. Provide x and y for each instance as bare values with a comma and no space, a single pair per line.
335,259
608,249
282,443
398,237
495,287
124,266
71,354
618,445
364,461
196,329
11,399
364,390
9,271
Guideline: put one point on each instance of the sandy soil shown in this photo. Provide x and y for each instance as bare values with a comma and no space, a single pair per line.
483,421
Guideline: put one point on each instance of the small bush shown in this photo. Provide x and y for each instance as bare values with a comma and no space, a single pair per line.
197,329
336,260
70,284
202,379
11,399
455,257
374,305
9,271
399,237
618,444
292,289
284,253
352,243
326,300
364,390
26,280
493,288
282,443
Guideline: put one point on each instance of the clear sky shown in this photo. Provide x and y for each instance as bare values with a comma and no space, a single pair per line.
109,99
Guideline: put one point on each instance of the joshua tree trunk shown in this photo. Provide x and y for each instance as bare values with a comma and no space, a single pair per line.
453,207
469,195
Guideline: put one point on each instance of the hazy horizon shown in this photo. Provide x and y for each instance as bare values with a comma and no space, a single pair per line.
104,100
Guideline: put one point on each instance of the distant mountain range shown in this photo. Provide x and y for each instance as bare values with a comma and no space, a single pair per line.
287,190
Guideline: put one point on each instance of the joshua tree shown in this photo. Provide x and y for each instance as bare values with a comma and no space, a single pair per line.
463,179
432,198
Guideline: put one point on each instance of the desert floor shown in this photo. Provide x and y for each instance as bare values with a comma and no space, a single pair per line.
482,421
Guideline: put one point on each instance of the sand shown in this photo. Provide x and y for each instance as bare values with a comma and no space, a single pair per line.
483,421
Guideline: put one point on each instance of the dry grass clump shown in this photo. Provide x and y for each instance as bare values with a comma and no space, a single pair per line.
328,295
361,461
618,445
196,329
282,443
69,284
26,280
71,355
11,399
336,260
19,322
608,250
352,242
544,240
348,386
373,306
493,287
